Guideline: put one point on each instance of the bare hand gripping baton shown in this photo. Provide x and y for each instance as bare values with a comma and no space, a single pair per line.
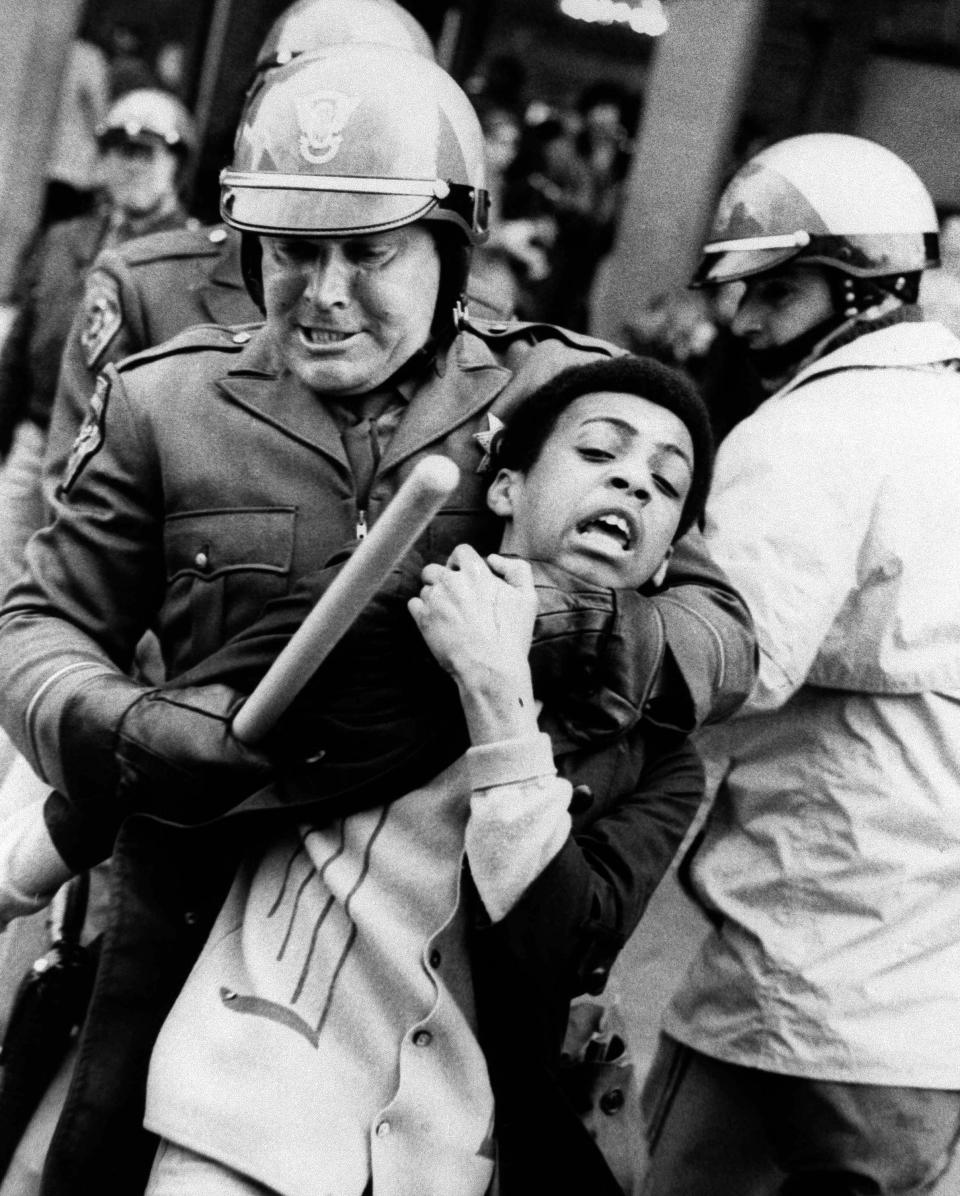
432,480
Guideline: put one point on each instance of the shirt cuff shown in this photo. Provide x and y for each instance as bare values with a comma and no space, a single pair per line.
510,761
518,821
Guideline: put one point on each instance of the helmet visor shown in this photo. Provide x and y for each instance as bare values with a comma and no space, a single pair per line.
337,206
733,264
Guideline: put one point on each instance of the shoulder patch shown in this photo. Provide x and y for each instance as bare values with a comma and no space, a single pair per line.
102,316
90,438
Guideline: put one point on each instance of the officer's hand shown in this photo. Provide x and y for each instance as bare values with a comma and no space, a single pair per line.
178,758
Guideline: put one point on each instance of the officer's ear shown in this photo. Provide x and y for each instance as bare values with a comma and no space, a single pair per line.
503,492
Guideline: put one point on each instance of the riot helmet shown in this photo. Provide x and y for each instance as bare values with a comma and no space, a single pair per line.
360,139
311,25
828,199
148,114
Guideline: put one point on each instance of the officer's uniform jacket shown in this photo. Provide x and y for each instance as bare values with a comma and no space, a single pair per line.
206,481
136,296
51,289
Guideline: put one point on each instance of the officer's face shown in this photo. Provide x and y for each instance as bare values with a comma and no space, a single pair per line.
772,309
606,494
349,311
139,177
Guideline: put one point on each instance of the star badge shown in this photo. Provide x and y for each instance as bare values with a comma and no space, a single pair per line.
485,440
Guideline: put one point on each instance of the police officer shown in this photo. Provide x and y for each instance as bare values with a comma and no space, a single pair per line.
814,1045
138,294
144,142
143,293
216,471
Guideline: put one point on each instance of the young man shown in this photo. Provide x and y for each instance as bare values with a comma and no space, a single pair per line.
595,477
815,1044
374,1020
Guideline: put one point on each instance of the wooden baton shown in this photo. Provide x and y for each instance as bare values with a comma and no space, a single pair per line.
429,484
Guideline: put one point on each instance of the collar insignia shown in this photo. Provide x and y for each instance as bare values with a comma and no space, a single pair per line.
485,440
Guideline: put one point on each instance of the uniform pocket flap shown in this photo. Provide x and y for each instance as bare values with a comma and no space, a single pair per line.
228,540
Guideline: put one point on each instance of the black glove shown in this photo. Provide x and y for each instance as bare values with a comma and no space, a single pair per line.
166,752
596,653
380,713
377,719
178,758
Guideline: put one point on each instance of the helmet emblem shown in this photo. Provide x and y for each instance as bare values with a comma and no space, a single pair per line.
322,117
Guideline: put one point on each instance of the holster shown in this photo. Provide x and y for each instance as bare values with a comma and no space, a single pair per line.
48,1009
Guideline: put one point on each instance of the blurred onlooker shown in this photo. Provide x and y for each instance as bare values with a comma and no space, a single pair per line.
577,176
502,80
519,244
72,164
130,68
609,114
171,68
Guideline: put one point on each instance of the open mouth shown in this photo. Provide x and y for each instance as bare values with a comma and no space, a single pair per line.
611,527
323,336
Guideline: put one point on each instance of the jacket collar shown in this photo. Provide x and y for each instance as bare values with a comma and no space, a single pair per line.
460,382
908,345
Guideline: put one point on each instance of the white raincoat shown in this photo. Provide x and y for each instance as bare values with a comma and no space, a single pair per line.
833,852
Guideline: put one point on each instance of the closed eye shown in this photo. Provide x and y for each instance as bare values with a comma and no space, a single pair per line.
370,255
594,454
665,486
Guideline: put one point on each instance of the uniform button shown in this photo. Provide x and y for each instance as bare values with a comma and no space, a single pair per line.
201,560
613,1101
383,1129
217,236
241,338
422,1038
435,958
190,918
581,799
596,981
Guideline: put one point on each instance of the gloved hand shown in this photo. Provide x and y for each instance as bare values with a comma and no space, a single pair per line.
178,758
167,752
595,655
380,712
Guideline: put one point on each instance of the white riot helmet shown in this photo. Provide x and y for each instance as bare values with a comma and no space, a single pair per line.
311,25
829,199
359,139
